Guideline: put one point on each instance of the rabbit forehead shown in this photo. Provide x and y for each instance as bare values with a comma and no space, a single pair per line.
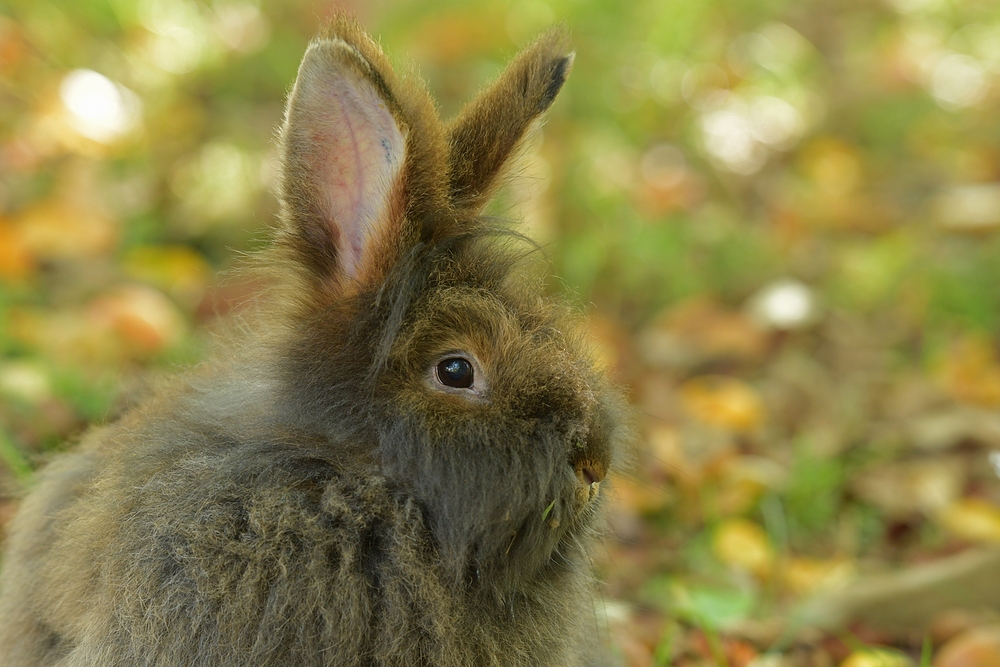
487,323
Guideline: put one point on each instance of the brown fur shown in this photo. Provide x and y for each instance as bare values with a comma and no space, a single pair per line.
312,498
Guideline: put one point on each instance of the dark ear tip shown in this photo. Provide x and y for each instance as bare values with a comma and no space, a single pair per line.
558,72
554,59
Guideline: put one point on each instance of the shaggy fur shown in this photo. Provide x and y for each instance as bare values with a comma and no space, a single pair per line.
317,498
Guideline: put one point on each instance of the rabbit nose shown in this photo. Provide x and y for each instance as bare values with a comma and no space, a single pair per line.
590,474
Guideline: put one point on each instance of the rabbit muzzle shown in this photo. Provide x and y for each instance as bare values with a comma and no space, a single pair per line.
590,473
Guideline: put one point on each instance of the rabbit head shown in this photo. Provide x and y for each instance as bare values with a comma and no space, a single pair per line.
419,343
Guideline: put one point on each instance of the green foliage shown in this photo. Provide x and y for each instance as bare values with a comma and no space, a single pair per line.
814,494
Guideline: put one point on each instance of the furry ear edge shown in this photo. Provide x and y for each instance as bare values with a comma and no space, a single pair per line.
344,146
489,130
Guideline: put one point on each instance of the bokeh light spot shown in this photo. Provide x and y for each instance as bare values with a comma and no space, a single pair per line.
99,109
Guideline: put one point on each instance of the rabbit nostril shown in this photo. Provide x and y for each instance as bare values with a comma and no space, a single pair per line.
590,473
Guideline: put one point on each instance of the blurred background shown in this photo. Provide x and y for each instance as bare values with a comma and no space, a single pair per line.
781,219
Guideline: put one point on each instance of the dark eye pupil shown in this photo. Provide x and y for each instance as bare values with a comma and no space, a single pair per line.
455,372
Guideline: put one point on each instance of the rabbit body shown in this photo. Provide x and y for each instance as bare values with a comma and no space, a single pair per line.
400,465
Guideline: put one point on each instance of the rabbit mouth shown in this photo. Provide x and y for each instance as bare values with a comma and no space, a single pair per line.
591,474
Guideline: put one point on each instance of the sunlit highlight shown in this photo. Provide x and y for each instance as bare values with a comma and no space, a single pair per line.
740,134
99,109
785,305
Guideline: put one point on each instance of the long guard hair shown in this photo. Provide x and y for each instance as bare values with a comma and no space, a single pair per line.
399,466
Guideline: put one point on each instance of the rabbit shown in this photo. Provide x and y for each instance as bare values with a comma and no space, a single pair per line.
399,464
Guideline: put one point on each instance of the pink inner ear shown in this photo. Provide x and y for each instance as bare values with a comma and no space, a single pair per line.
354,153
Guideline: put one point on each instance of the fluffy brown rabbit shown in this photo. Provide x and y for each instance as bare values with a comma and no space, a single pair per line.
399,465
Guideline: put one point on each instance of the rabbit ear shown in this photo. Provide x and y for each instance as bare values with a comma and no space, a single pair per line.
487,132
344,147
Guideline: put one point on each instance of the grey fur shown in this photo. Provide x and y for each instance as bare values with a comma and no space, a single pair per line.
309,498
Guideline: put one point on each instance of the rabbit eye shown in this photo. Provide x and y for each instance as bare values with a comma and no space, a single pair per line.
455,372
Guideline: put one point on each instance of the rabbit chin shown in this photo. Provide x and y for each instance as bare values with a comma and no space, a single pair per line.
487,544
504,517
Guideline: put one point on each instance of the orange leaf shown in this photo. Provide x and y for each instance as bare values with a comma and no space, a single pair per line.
971,372
723,401
16,261
60,230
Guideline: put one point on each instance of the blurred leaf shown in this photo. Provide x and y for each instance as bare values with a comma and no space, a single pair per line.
16,261
145,320
904,489
722,401
876,658
743,545
25,381
869,273
715,608
803,576
706,607
178,270
699,330
971,519
978,647
971,372
59,230
813,495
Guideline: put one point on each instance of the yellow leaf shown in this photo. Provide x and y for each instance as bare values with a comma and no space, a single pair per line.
738,496
177,270
806,575
971,519
876,658
664,444
60,230
742,544
723,401
66,336
971,372
834,166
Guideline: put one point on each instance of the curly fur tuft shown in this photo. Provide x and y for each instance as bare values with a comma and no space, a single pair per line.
319,495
